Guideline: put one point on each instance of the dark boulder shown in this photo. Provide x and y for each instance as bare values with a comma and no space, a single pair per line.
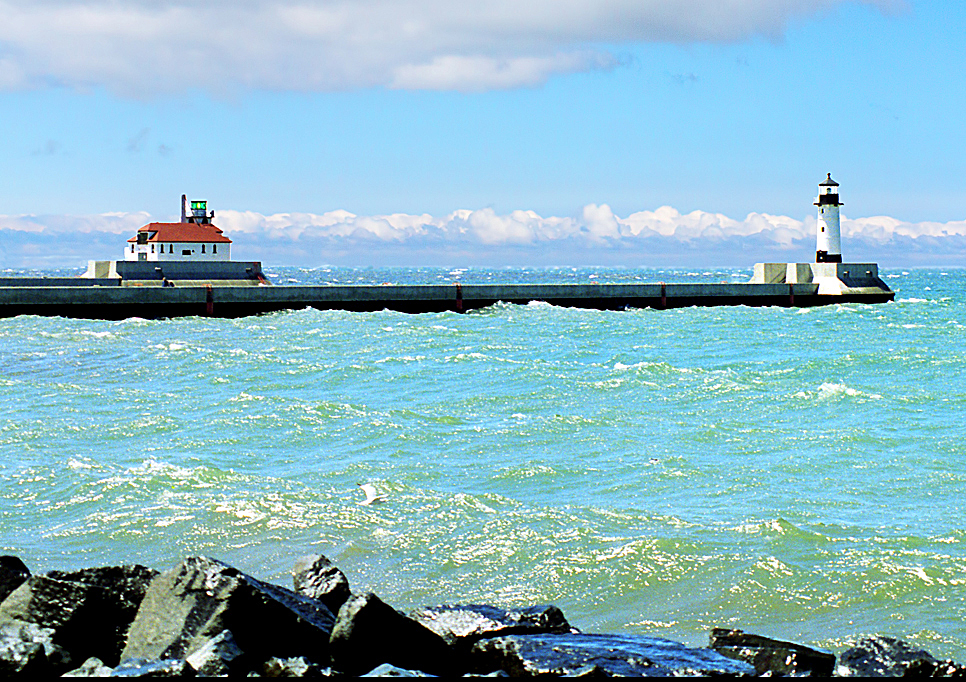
599,655
84,618
124,587
464,625
13,573
316,577
369,632
890,657
189,605
128,583
772,655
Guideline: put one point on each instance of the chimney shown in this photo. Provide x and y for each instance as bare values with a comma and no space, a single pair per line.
184,208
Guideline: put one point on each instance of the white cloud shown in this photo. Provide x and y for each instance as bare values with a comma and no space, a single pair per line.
483,237
478,72
143,47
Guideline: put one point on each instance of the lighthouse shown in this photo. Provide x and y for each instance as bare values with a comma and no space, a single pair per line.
828,237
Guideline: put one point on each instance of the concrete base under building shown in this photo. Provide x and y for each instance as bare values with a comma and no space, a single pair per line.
833,279
199,273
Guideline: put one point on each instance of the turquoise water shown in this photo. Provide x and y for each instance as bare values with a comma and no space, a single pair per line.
794,472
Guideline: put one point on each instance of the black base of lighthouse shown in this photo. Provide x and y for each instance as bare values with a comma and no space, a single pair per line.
825,257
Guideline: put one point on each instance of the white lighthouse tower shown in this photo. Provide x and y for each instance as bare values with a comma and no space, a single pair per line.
828,236
851,281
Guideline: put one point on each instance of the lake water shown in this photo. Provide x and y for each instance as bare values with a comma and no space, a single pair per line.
794,472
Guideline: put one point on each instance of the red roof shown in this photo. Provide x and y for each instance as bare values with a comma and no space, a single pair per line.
183,232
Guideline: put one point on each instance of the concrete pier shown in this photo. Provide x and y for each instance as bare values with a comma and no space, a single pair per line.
118,299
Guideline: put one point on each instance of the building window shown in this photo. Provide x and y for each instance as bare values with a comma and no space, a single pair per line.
202,248
152,248
186,252
170,248
214,248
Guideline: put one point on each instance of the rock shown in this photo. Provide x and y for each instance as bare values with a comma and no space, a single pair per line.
316,577
89,611
124,587
890,657
292,667
13,573
599,656
462,626
22,651
189,605
166,667
127,583
83,617
21,643
389,670
772,655
219,656
92,667
369,632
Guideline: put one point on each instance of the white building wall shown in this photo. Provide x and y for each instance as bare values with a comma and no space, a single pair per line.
178,251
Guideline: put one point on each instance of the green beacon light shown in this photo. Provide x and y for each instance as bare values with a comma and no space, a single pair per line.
199,211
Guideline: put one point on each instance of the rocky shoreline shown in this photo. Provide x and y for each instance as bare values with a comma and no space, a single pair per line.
206,618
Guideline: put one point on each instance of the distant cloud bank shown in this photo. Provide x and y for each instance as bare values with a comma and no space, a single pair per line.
145,47
663,237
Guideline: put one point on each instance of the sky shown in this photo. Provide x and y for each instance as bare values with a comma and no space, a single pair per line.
544,132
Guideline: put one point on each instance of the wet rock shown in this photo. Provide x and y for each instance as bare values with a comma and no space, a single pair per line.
464,625
369,632
890,657
316,577
298,666
389,670
599,656
83,617
189,605
124,588
92,667
219,656
772,655
167,667
127,583
22,650
13,573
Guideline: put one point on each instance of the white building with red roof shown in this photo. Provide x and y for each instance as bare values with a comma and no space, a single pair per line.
195,238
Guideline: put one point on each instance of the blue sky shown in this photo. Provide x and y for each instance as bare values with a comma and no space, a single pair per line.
307,125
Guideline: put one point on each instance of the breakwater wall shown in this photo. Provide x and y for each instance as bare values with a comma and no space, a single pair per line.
204,617
112,300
